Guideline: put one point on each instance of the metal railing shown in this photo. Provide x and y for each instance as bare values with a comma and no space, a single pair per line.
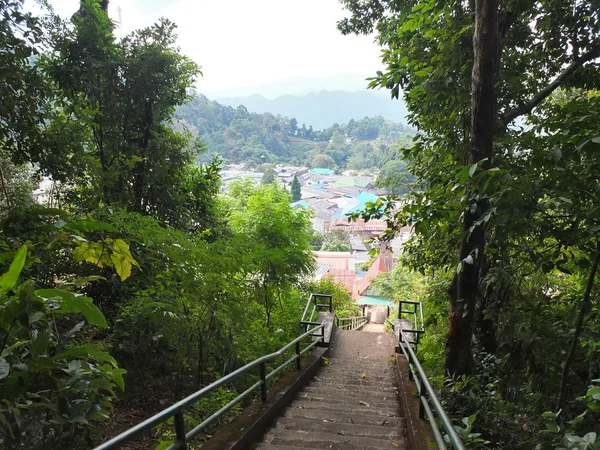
415,316
309,319
351,323
427,396
178,408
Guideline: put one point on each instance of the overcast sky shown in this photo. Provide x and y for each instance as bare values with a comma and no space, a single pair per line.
269,47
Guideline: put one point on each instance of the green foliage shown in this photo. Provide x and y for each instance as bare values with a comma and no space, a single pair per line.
343,304
23,91
472,440
323,161
277,236
317,240
50,379
114,98
268,176
401,284
567,434
336,241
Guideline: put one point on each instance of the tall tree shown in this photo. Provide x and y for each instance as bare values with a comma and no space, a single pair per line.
24,92
531,49
116,98
465,289
268,176
277,239
296,190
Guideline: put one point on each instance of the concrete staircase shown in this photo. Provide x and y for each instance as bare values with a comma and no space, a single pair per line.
352,403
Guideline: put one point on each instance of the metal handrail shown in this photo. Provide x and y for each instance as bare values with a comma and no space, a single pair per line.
177,409
417,313
355,322
427,394
306,320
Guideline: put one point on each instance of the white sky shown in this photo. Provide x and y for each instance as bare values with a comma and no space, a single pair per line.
270,47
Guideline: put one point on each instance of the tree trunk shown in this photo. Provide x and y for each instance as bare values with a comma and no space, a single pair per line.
139,183
5,189
464,291
578,327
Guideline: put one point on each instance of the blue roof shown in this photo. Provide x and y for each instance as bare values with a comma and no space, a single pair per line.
321,171
300,204
355,209
336,216
365,197
375,300
318,185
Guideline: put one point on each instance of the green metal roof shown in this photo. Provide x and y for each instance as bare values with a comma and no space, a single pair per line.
350,181
375,300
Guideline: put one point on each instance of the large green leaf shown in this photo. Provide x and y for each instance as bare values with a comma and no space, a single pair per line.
90,225
122,259
74,302
9,279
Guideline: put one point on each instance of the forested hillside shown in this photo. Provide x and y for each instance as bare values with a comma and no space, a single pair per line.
323,109
132,282
237,135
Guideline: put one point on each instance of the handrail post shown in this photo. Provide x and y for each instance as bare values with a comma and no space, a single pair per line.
263,386
180,429
298,363
331,303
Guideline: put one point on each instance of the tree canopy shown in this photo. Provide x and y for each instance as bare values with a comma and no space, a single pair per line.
128,269
488,85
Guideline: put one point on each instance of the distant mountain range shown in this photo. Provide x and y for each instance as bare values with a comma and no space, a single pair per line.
323,109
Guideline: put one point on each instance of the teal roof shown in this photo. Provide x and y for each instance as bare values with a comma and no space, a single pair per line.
375,300
353,209
300,204
365,197
321,171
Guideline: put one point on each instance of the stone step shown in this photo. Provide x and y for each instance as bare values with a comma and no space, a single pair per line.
357,391
351,383
348,417
386,405
356,408
341,429
369,364
358,373
312,439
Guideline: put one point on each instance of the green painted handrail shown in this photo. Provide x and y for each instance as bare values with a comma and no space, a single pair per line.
178,408
355,322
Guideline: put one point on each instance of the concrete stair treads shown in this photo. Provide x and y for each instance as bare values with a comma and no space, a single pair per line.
354,409
352,403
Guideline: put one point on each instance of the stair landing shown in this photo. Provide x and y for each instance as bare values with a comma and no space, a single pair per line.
352,402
